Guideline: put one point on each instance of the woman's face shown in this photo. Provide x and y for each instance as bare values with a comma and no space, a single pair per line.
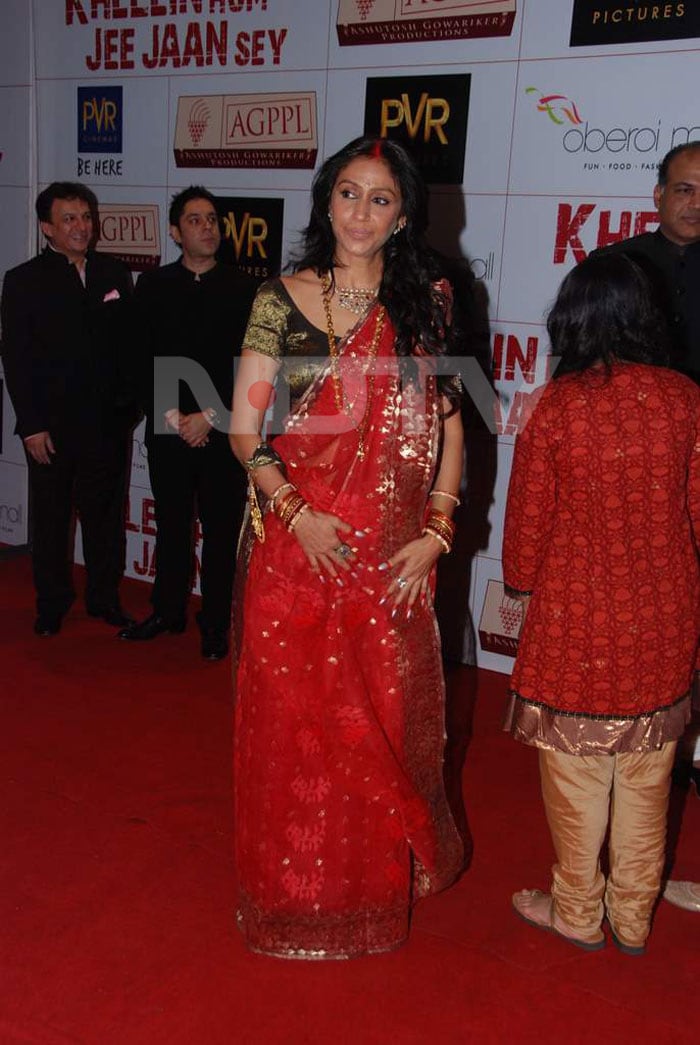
365,208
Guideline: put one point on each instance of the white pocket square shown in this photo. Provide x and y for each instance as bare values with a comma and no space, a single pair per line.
111,295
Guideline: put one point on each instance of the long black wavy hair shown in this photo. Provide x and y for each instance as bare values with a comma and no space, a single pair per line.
415,306
609,308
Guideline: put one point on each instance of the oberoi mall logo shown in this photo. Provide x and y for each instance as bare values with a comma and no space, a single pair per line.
558,107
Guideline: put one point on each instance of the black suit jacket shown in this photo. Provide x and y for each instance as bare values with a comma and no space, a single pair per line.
202,319
67,348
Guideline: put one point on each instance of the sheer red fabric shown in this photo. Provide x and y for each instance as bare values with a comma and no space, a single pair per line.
341,815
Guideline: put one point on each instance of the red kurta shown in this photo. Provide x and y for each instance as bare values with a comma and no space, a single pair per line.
602,517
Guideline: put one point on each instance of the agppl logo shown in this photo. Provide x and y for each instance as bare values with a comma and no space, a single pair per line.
557,106
131,232
247,130
100,119
610,148
632,21
428,114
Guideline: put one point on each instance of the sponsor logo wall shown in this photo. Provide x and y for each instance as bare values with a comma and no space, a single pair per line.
538,125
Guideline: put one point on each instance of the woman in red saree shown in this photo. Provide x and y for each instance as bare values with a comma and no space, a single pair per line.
341,815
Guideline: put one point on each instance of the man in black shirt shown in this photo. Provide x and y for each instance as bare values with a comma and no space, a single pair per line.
66,327
196,309
674,251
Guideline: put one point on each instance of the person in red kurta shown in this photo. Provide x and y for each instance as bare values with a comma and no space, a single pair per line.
602,520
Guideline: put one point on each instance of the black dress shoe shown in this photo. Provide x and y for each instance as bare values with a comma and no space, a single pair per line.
114,615
150,628
48,624
214,644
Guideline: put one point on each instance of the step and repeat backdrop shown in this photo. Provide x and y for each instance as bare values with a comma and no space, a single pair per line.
538,125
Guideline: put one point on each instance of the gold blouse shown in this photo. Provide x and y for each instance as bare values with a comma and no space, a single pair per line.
278,329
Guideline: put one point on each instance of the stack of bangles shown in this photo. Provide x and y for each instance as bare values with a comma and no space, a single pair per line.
441,527
290,508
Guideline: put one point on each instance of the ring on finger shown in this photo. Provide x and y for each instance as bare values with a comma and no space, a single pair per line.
343,550
401,582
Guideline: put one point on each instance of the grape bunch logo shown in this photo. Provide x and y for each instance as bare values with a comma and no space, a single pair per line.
500,622
511,614
198,120
558,107
363,8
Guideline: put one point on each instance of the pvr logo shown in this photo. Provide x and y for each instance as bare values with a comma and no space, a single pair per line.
248,237
99,114
431,115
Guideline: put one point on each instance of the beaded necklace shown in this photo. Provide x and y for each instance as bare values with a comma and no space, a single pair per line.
341,400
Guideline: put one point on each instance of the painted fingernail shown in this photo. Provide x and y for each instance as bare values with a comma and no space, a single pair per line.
409,614
383,566
339,582
360,533
394,612
383,599
354,575
321,578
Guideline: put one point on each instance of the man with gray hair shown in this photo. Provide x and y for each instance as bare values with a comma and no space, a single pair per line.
672,253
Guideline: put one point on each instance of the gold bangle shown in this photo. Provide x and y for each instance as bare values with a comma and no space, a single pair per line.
444,493
297,516
446,546
283,486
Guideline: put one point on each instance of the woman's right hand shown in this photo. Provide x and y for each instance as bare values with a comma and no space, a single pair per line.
323,538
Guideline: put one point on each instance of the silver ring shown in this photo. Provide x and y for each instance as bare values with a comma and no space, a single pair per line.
401,582
343,550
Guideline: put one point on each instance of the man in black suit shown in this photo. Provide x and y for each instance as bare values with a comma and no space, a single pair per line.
65,323
672,253
195,309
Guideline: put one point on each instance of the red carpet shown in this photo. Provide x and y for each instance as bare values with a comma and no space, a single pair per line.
117,891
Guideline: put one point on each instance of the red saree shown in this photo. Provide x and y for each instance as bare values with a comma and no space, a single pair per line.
341,815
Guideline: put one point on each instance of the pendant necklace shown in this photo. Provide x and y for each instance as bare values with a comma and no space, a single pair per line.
341,401
356,299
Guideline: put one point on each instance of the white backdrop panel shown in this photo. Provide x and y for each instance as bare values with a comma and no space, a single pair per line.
13,503
14,135
246,180
606,125
491,101
15,43
471,227
416,55
143,160
301,39
14,207
546,235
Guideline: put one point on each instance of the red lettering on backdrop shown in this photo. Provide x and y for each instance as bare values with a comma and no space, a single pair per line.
568,228
606,235
74,10
525,362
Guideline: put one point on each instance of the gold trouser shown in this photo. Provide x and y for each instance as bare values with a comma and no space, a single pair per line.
581,793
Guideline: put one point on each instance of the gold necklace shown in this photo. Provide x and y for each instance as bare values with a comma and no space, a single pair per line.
341,401
356,299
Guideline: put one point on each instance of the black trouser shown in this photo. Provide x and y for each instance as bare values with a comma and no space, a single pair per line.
89,477
207,480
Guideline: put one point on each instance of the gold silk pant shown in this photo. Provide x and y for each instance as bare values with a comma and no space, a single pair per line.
582,793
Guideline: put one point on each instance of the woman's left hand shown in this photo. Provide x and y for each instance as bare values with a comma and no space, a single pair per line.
410,571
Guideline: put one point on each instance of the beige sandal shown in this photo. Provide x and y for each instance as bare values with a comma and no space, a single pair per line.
537,909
